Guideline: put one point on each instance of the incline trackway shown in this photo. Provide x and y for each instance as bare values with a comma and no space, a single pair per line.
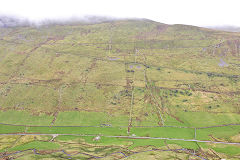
126,137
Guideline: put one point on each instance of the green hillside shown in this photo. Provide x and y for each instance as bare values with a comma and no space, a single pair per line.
134,78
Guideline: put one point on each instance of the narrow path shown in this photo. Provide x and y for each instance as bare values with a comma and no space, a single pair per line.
125,137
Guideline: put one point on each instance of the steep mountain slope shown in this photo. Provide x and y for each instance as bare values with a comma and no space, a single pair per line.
122,78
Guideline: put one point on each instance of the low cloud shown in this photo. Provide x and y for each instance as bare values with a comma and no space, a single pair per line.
12,21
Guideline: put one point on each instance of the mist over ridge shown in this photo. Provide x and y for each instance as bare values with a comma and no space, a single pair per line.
15,21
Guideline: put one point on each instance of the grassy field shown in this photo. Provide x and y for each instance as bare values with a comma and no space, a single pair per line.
126,77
